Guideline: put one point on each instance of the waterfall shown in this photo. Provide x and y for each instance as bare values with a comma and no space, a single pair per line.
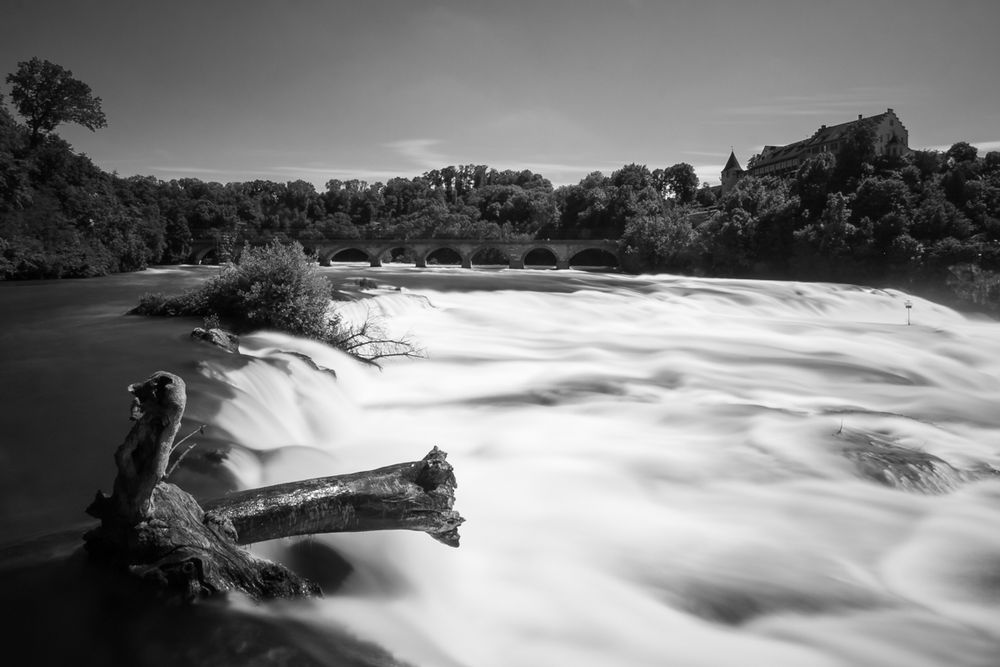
651,472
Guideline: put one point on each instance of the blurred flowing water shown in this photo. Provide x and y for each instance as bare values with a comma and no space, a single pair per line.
650,468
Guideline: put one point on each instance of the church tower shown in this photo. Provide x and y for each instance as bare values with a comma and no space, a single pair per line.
731,173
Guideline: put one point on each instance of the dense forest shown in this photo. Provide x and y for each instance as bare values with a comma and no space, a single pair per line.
919,221
61,216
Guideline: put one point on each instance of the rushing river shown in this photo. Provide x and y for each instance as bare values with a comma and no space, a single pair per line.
651,468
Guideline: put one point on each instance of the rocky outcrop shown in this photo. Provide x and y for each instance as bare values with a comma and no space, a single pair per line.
975,285
229,342
879,459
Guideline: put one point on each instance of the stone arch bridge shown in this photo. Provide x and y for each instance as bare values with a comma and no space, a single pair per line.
561,253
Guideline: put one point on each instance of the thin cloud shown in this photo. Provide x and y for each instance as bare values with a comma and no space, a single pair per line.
704,153
863,99
318,175
341,173
778,110
420,152
559,173
190,170
571,174
983,146
562,173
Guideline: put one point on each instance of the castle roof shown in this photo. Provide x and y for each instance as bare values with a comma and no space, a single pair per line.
824,135
732,163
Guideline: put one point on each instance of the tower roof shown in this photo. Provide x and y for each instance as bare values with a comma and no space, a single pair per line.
732,163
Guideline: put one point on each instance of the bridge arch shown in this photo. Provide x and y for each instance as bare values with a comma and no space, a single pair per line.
346,253
209,255
450,255
594,256
488,254
397,253
541,255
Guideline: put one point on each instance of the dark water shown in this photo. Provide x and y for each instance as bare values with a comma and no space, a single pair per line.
68,353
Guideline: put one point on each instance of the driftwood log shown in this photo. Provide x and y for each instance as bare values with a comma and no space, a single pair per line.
411,496
159,533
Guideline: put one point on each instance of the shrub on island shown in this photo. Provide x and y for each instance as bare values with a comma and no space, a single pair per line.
277,287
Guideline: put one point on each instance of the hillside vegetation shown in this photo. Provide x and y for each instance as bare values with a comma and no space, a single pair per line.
928,221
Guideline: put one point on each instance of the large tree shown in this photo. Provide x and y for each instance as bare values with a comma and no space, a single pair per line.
962,152
47,95
854,158
678,180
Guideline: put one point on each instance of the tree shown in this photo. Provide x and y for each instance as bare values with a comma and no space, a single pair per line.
15,191
831,247
936,218
961,151
633,176
47,95
658,242
812,182
728,241
928,162
706,195
857,151
877,196
678,180
991,163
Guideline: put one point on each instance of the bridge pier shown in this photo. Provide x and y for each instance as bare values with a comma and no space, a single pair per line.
420,262
375,261
562,263
517,262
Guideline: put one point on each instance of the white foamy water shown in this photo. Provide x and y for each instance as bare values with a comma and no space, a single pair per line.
651,474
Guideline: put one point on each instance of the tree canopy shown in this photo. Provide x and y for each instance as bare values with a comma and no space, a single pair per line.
46,95
679,181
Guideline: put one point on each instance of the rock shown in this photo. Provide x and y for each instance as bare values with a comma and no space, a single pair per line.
976,285
229,342
881,460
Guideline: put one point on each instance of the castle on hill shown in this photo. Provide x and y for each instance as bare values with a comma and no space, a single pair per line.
890,137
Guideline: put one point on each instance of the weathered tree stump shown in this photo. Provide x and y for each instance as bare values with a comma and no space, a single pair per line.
410,496
159,533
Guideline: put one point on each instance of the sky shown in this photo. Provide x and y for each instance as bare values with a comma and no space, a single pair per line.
316,90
